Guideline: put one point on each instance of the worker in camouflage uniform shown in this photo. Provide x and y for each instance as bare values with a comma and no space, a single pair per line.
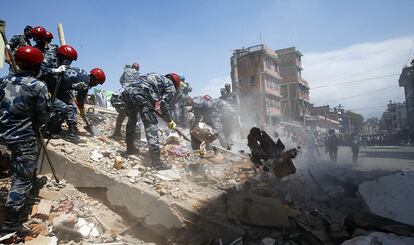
141,97
50,47
212,112
229,96
231,121
131,74
222,94
179,109
23,110
54,64
21,40
80,81
39,36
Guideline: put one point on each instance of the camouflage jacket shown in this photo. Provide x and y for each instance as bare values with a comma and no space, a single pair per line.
50,62
148,90
129,76
76,79
18,40
204,109
23,107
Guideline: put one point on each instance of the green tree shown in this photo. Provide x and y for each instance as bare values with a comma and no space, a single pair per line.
357,120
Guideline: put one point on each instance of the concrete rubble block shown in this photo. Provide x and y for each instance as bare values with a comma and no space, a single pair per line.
380,238
257,210
268,241
42,240
43,209
49,195
65,219
391,196
283,167
118,163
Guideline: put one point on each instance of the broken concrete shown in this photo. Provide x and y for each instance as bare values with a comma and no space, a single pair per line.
380,238
256,210
162,214
391,196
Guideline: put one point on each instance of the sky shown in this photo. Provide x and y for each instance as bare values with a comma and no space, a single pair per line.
341,40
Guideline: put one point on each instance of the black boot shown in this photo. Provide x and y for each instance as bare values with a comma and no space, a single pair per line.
72,135
131,148
156,161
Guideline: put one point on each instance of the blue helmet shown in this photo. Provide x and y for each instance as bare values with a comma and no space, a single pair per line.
182,77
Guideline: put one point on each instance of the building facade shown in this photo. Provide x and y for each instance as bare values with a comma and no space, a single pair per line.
255,78
406,80
293,88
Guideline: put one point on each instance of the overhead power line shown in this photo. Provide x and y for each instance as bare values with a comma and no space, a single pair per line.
357,95
355,81
361,73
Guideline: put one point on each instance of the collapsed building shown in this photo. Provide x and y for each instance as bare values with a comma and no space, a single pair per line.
220,198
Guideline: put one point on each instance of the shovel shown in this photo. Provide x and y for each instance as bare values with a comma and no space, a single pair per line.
92,129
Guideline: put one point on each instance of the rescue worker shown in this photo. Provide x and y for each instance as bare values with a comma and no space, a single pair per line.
230,97
332,145
141,97
355,142
179,109
222,94
21,40
38,36
130,74
49,46
80,81
211,112
23,110
53,65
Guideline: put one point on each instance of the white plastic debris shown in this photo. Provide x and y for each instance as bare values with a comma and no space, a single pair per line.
96,155
133,173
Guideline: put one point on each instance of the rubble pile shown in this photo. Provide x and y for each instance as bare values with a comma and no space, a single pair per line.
64,215
218,197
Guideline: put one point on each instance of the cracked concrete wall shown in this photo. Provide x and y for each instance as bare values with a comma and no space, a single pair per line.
146,206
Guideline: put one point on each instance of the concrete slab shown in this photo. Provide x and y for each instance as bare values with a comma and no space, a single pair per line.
161,214
391,196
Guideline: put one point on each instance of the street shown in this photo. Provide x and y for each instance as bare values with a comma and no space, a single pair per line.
390,158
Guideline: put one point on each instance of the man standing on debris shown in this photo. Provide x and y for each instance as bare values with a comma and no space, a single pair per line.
332,144
54,64
355,142
229,96
131,74
23,110
80,81
179,109
141,97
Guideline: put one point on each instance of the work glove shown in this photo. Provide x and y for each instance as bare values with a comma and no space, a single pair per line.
82,112
80,86
172,125
60,69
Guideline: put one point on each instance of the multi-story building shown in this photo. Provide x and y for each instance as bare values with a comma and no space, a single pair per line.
322,118
255,78
294,89
371,126
406,80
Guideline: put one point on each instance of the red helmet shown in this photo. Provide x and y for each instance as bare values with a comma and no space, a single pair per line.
99,74
28,56
68,52
49,36
38,33
174,78
207,97
135,66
